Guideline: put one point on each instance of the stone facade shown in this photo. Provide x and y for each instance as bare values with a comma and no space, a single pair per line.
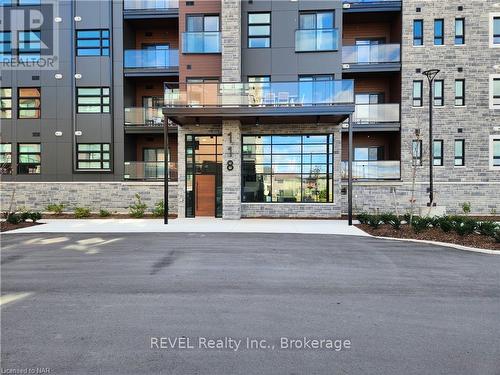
231,40
231,169
112,196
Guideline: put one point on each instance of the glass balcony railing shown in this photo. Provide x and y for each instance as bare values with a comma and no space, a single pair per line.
201,42
376,113
316,40
150,4
151,59
149,170
141,116
274,94
371,54
373,170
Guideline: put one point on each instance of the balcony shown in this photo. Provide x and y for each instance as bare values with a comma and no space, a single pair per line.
377,116
371,58
140,116
316,40
352,6
373,170
201,42
163,62
134,9
149,171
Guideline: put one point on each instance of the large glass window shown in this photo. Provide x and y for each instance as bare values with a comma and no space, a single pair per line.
287,168
417,152
495,88
30,45
28,158
316,32
154,166
93,156
460,92
418,32
417,93
28,103
259,30
439,32
316,89
437,151
439,92
495,152
6,102
5,158
496,31
5,45
459,31
201,23
92,42
93,99
459,152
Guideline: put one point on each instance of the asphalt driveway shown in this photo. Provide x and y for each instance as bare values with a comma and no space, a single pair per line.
92,303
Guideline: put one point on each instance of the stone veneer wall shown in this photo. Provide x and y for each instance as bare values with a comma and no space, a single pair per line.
231,179
112,196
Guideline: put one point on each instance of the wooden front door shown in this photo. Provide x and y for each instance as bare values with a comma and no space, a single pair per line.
205,195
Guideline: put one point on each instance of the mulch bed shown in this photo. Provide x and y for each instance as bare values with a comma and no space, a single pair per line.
431,234
4,226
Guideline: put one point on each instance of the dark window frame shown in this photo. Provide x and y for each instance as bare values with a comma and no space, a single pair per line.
495,157
460,98
439,38
6,108
439,100
418,39
102,151
33,108
29,51
439,159
418,99
102,104
495,97
203,16
21,166
460,38
102,48
459,158
416,153
6,167
249,25
4,42
495,36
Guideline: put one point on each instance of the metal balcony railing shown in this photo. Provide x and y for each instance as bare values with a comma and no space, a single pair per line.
376,113
201,42
373,170
371,54
316,40
274,94
151,59
150,4
149,170
143,116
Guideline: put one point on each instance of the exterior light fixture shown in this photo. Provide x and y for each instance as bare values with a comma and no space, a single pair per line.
78,133
78,76
77,18
58,76
58,133
57,19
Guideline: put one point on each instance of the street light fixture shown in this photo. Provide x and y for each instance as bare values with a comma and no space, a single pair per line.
431,75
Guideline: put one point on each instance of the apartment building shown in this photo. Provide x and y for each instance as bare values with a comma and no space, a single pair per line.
257,98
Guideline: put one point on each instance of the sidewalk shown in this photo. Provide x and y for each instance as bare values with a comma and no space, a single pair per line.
206,225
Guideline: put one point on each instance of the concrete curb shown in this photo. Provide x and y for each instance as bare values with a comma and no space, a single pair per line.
445,244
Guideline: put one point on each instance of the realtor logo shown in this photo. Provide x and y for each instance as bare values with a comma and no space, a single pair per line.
29,37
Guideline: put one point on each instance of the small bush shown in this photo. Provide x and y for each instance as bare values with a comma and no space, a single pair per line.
13,218
386,218
55,208
395,222
159,209
466,227
496,236
81,212
24,215
104,213
466,208
445,223
374,221
363,218
420,224
487,228
138,208
35,216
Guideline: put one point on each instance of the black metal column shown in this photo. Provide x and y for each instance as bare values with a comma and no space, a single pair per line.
165,170
349,185
431,149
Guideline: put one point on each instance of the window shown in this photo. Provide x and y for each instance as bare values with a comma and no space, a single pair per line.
29,103
418,32
259,30
28,158
438,32
315,89
439,92
437,152
416,152
369,153
495,30
5,45
202,23
29,2
154,166
460,31
417,93
5,158
494,152
6,102
93,99
495,91
459,152
93,156
316,32
287,168
460,92
30,45
202,34
92,42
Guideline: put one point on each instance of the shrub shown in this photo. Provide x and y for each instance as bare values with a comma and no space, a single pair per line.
387,217
13,218
445,223
81,212
374,221
24,215
465,227
420,224
55,208
363,218
159,209
487,228
466,208
104,213
496,236
395,222
35,216
138,208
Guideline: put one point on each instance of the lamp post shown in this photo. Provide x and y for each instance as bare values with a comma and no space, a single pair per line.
165,171
431,74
